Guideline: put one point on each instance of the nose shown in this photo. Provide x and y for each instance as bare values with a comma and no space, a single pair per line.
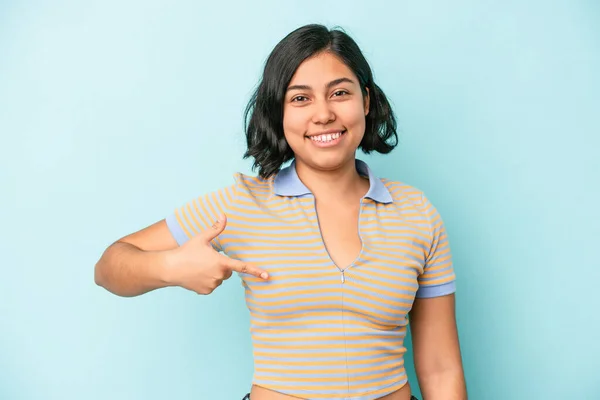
323,114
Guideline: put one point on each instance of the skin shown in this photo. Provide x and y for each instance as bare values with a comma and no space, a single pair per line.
325,94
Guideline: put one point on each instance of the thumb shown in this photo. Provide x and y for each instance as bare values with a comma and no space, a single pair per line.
216,228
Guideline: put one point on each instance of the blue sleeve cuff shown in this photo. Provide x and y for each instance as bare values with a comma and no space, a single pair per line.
436,291
176,230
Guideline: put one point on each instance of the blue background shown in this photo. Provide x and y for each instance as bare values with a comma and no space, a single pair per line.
114,113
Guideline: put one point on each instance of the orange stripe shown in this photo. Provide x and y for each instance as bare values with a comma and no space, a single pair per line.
275,243
264,233
316,309
307,292
430,270
191,226
320,363
178,215
327,269
199,213
285,227
273,324
326,371
316,356
384,230
274,286
277,262
437,281
385,240
318,379
381,292
280,249
406,277
396,253
300,339
337,299
341,331
263,217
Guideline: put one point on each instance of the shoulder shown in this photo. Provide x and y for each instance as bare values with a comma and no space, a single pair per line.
414,204
252,187
405,196
403,193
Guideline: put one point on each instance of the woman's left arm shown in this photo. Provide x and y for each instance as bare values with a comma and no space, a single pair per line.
436,348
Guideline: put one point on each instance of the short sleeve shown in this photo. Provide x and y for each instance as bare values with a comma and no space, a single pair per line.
438,277
199,214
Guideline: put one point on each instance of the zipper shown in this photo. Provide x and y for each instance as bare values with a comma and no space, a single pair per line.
342,276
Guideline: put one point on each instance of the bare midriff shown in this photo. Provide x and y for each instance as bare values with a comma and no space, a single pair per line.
261,393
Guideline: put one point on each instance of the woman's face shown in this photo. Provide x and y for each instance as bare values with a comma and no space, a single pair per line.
324,113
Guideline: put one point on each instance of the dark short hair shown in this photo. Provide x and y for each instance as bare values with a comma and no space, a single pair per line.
263,116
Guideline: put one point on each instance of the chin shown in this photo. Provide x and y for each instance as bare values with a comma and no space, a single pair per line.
327,161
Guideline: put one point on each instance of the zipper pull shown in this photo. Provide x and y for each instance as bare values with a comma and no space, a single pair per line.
343,278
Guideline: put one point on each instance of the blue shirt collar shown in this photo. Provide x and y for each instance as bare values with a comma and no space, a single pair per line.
287,183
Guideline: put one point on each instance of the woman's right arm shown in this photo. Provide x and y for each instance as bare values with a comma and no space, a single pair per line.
137,263
151,259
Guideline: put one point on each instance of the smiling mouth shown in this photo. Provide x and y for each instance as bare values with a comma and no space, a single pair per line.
327,137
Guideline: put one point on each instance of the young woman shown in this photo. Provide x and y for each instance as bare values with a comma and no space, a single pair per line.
333,259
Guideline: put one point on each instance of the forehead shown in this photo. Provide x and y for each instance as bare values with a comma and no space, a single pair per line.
320,69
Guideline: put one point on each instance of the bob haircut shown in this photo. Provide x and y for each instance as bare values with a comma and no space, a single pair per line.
263,116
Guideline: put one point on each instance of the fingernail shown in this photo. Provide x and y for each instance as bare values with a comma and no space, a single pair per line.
264,275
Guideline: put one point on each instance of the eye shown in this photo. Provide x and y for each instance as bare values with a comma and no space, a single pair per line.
339,93
299,99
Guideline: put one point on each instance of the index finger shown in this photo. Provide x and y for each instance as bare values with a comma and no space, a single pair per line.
244,268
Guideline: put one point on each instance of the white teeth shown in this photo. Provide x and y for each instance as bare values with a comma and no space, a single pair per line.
326,138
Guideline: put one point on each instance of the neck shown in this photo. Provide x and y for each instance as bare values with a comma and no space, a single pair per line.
342,183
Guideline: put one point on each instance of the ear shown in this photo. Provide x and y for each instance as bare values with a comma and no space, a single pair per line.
367,101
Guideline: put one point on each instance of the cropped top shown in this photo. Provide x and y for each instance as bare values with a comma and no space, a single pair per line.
319,332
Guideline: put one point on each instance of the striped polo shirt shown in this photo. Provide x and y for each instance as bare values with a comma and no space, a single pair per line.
319,332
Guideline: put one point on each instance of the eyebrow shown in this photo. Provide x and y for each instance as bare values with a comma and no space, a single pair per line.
329,85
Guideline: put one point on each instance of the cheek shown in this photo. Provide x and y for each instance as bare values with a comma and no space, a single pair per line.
295,126
294,121
352,115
